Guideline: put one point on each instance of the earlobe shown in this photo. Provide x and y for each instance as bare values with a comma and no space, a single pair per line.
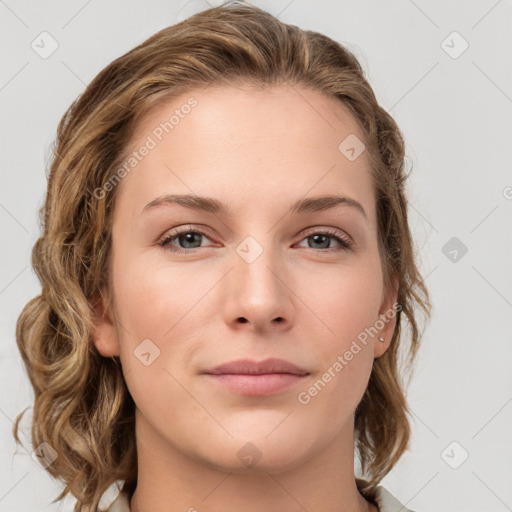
104,332
387,320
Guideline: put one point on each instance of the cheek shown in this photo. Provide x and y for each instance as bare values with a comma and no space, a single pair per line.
345,300
162,305
346,305
151,298
333,393
156,310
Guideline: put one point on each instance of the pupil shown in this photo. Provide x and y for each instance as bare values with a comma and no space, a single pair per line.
189,237
316,237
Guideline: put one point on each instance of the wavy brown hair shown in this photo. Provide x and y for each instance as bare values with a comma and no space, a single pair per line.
82,406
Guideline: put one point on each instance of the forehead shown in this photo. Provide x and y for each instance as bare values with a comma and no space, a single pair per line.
301,111
238,143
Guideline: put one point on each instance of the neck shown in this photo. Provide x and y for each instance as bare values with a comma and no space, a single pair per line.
171,481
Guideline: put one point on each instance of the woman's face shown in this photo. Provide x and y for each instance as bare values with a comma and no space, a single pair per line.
252,279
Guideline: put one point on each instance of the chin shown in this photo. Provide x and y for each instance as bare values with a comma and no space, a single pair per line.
258,455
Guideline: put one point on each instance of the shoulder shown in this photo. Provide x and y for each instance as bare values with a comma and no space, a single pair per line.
381,497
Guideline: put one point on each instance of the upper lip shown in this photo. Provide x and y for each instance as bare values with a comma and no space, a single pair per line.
250,367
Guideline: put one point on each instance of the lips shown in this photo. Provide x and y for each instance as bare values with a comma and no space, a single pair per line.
253,378
251,367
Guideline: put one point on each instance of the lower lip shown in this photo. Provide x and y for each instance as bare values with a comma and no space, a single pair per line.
257,385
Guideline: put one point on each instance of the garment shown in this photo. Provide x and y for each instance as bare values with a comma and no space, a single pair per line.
379,496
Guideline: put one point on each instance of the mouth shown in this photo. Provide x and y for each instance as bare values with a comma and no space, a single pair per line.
257,385
251,378
250,367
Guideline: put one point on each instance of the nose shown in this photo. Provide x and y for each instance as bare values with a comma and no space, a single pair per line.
259,295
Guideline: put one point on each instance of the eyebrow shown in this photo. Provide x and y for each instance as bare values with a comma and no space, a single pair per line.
210,205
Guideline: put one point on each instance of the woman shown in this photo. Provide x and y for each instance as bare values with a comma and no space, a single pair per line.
225,261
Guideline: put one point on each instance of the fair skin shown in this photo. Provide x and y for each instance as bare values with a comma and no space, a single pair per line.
257,151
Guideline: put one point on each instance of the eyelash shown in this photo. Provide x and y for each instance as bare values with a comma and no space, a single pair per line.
345,244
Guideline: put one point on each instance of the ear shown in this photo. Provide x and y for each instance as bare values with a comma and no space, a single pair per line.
387,319
105,333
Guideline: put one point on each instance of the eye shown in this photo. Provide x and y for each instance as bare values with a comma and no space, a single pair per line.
190,238
321,240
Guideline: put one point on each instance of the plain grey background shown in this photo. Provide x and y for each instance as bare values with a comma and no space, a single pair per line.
442,69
